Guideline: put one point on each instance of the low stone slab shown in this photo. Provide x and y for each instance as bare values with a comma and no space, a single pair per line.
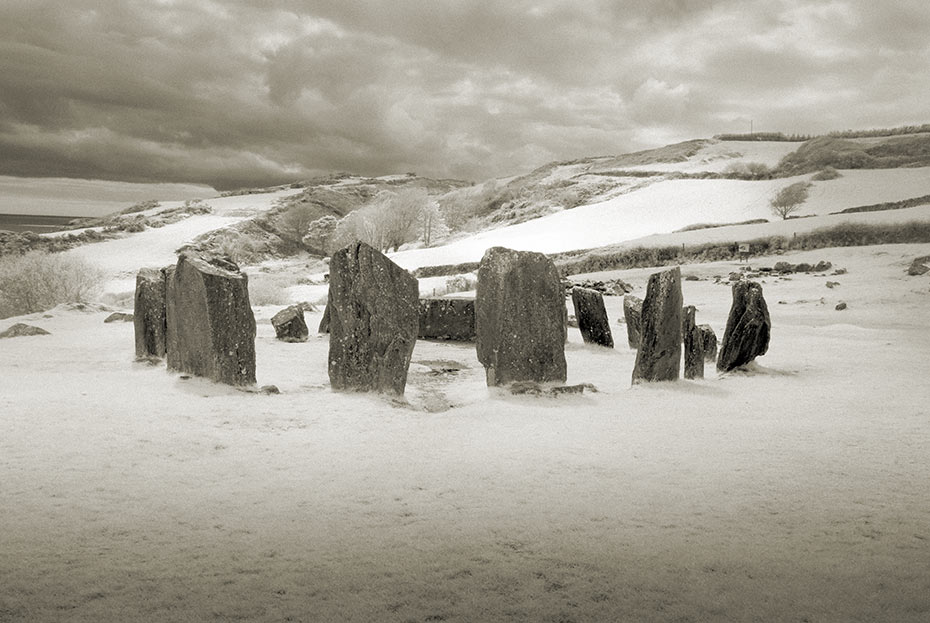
210,325
693,342
21,329
149,320
632,313
289,324
748,327
119,317
592,317
373,309
520,318
659,354
447,319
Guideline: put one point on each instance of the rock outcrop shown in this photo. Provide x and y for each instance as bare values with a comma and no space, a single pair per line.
289,324
693,342
520,318
633,313
447,319
592,317
373,309
149,320
210,325
709,342
748,327
659,354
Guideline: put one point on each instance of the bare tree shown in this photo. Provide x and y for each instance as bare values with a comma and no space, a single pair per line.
295,223
788,200
320,234
399,216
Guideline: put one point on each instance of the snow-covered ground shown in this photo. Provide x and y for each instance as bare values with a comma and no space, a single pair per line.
798,491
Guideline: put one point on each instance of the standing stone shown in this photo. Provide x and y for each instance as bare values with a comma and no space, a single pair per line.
693,340
447,319
633,314
373,321
592,317
289,324
659,354
709,340
520,317
210,326
149,313
748,327
324,321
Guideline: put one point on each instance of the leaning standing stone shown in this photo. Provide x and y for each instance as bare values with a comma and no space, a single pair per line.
324,321
592,317
748,327
633,314
447,319
373,321
211,329
149,313
659,354
709,340
520,317
693,343
289,324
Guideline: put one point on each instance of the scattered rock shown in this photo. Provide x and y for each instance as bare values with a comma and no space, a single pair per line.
691,278
373,321
783,267
447,319
633,314
822,266
289,324
919,266
210,325
659,354
22,330
149,312
119,317
736,276
609,287
748,327
536,389
839,271
708,342
592,317
803,267
693,340
269,389
520,317
832,284
840,306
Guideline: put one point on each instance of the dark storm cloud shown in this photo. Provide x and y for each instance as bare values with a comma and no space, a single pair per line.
246,92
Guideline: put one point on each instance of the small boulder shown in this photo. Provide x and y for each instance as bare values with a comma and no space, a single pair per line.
736,276
447,319
803,267
840,306
289,324
708,342
592,317
783,267
520,318
119,317
659,354
822,266
373,321
919,266
633,314
693,341
21,329
748,327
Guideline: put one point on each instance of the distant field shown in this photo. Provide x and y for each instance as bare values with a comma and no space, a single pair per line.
37,223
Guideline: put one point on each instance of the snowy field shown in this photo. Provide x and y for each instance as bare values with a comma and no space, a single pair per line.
799,491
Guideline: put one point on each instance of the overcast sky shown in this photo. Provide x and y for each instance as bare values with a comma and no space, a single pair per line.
255,92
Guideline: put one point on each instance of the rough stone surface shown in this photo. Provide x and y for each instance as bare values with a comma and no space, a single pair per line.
748,327
520,318
447,319
919,266
210,325
840,306
289,324
693,341
22,330
373,311
709,342
324,321
659,354
148,316
592,317
119,317
633,313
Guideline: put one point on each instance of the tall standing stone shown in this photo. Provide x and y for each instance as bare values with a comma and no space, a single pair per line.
693,341
149,313
592,316
709,339
210,325
659,354
373,321
520,317
748,327
633,314
447,319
